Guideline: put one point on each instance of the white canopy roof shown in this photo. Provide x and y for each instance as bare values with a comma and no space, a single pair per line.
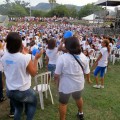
108,2
89,17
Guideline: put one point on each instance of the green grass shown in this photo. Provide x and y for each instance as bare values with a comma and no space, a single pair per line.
99,104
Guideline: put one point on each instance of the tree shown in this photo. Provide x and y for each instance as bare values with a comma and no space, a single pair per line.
88,9
38,13
59,11
73,12
22,3
17,10
5,8
7,1
25,4
52,2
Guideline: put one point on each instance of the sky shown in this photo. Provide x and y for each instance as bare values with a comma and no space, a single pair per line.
74,2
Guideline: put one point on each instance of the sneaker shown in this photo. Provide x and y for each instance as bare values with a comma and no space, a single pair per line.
11,115
97,86
80,117
102,86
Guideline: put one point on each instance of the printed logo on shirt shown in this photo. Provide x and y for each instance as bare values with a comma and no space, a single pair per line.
9,62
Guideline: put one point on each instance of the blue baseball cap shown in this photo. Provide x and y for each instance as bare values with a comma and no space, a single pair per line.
68,34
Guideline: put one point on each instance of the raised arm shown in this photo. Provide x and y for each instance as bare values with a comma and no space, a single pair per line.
32,66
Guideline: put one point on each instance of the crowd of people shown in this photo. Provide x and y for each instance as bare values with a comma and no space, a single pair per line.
67,50
40,19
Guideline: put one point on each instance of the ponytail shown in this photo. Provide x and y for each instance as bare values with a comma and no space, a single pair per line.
106,41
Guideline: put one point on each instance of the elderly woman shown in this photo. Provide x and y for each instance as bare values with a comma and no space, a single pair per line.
69,75
18,68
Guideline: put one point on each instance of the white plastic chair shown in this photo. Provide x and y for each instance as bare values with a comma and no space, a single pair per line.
112,54
94,57
115,57
42,82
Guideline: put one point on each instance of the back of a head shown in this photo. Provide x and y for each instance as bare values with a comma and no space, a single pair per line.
72,45
32,43
51,44
106,41
14,42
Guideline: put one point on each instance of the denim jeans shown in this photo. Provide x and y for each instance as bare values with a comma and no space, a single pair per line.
23,98
1,86
12,108
51,68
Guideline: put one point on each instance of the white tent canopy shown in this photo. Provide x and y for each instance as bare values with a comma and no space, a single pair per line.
89,17
108,2
92,19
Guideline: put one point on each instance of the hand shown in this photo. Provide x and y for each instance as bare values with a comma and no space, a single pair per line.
38,55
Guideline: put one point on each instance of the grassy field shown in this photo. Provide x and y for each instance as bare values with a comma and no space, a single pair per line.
99,104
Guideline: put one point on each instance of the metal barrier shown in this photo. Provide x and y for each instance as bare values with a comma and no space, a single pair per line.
106,31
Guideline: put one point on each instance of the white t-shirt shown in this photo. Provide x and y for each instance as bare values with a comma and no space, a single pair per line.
37,39
52,55
88,59
85,46
71,74
110,44
1,54
99,46
92,52
15,66
103,62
